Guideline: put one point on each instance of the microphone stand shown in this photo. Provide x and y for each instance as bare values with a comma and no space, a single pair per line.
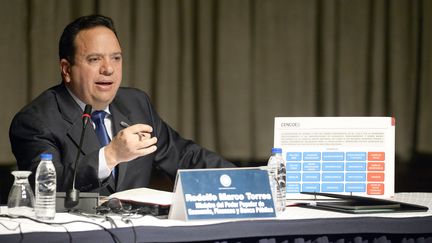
72,197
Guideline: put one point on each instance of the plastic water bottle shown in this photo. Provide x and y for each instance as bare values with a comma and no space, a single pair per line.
45,188
277,173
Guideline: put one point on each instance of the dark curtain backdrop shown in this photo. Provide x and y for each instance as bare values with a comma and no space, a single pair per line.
219,71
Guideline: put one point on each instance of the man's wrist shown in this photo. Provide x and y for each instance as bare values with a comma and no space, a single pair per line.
104,170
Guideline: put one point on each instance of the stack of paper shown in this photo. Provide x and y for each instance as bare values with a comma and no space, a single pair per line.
145,196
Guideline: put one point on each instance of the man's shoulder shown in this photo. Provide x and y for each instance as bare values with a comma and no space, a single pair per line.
41,110
45,100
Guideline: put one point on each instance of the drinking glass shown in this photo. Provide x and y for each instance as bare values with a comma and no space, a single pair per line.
21,198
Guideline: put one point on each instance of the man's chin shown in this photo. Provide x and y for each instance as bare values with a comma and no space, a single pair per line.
101,104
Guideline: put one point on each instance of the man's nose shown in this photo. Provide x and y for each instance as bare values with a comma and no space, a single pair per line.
106,68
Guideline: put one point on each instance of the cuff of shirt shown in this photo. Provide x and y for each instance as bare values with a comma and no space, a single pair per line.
104,171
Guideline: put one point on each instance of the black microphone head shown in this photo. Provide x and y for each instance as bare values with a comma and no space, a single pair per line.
86,114
87,109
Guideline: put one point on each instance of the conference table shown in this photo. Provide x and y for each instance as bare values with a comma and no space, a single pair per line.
296,224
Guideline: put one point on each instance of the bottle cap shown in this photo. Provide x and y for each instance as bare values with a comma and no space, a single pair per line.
276,150
46,156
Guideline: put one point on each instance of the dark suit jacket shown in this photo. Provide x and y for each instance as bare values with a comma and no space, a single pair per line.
52,123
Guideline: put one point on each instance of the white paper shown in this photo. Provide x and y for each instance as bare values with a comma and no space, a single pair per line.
338,154
145,195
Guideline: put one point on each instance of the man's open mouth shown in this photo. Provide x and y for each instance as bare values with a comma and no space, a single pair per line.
104,83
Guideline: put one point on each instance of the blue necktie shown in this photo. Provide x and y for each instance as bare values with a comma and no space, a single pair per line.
98,119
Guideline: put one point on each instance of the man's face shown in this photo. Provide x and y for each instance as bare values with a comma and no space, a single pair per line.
96,73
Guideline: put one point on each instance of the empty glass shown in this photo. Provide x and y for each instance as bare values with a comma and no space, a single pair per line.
21,198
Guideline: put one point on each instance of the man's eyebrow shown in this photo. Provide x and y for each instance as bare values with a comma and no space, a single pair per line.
102,54
94,54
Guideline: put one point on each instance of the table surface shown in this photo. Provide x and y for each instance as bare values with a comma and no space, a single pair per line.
294,221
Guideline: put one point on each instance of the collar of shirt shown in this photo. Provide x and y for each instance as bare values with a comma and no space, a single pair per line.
82,104
107,119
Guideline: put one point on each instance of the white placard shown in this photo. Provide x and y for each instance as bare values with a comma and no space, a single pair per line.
345,155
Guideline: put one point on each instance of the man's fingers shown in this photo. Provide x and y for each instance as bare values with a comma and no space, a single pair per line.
143,135
146,143
139,128
147,150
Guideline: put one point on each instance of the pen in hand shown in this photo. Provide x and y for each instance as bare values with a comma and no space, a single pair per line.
124,124
140,134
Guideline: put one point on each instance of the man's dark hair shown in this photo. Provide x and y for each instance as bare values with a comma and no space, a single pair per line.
67,39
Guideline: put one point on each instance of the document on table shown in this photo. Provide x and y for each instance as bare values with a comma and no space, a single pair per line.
346,155
145,195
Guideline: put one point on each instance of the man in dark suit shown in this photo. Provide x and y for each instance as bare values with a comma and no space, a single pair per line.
136,138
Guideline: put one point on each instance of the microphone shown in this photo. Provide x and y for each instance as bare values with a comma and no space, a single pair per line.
72,195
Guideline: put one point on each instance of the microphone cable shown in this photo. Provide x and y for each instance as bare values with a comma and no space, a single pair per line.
62,224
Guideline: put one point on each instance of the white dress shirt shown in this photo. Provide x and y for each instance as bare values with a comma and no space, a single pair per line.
103,171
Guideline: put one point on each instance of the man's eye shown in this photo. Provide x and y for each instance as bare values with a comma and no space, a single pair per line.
93,59
117,58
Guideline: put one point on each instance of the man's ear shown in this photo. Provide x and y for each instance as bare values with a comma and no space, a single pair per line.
65,68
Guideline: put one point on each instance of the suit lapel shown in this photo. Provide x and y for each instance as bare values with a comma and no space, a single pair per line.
72,113
119,114
90,141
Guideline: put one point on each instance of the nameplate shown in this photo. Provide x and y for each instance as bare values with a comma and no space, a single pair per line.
236,193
